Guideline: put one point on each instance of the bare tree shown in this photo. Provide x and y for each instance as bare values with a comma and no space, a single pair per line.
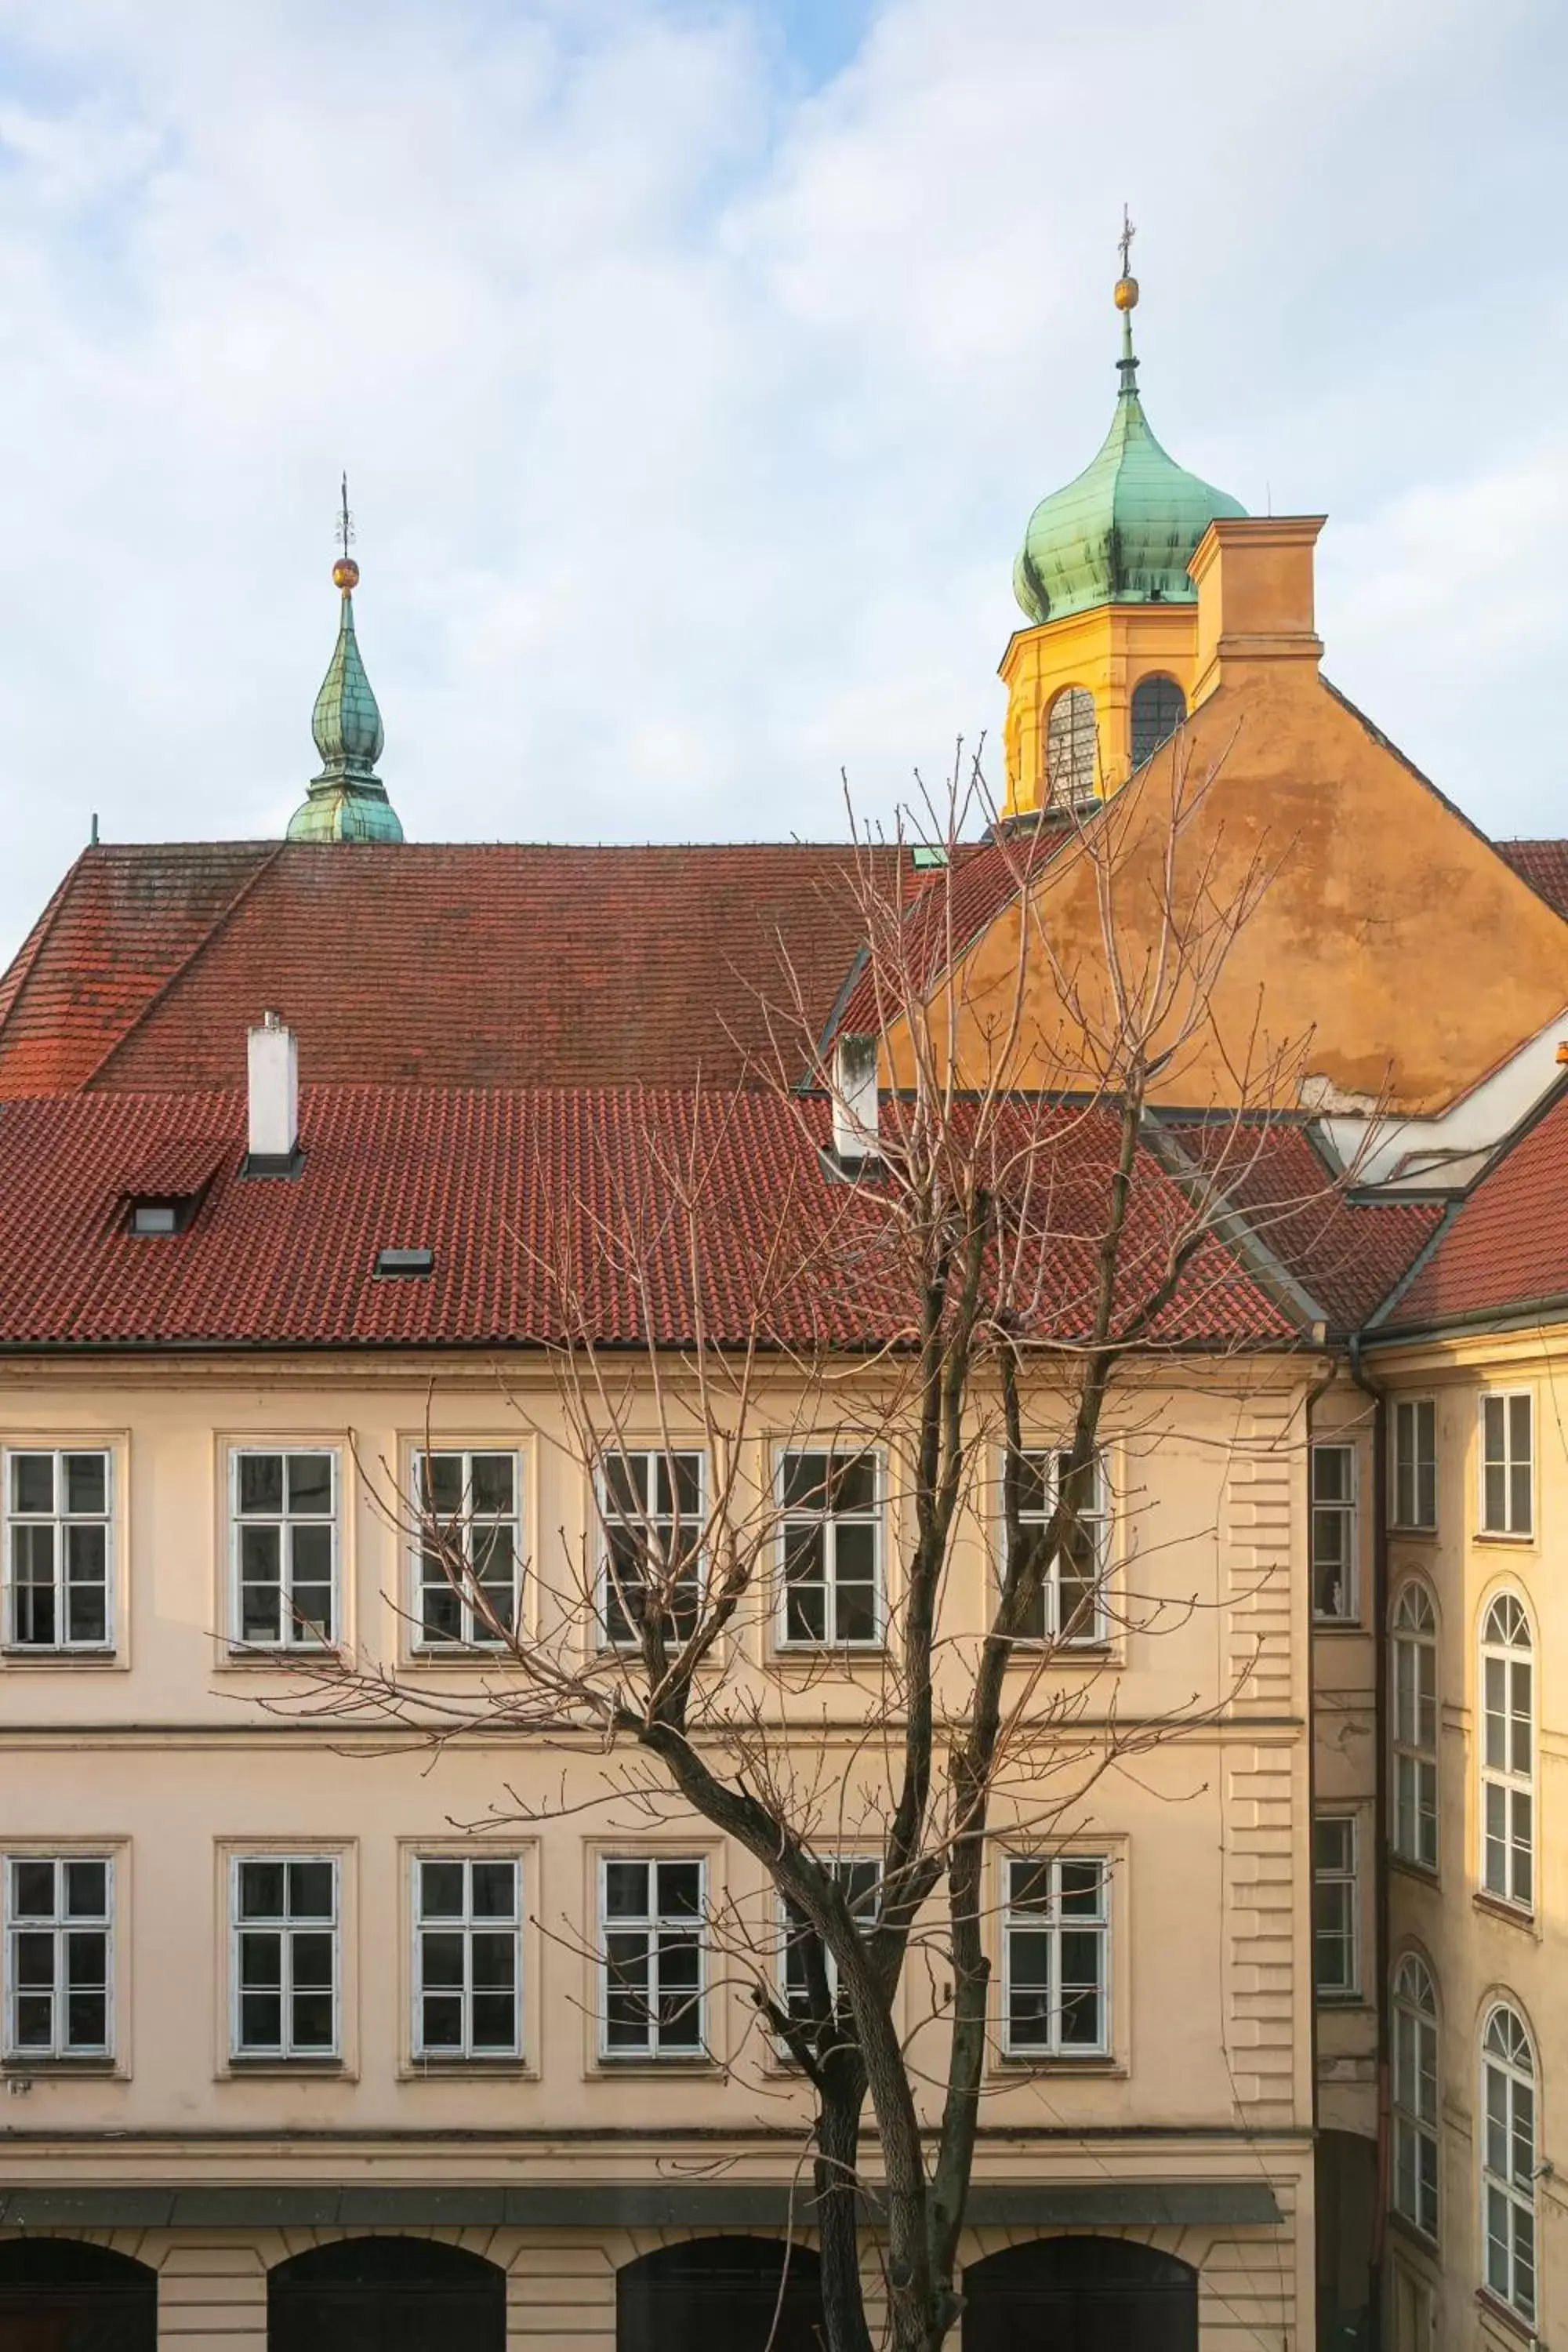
911,1264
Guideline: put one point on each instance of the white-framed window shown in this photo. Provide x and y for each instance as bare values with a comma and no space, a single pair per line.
831,1500
59,1548
1509,2159
284,1502
651,1505
468,1957
470,1553
1507,1463
859,1879
1070,1606
60,1956
1336,1909
1508,1751
1333,1532
1414,1669
286,1959
653,1961
1056,1975
1071,748
1413,2018
1415,1494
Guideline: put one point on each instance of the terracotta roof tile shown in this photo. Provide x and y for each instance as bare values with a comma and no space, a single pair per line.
945,914
1543,864
1508,1243
1348,1253
494,965
506,1187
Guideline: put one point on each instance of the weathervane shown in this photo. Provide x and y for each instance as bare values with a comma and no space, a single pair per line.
345,571
1124,241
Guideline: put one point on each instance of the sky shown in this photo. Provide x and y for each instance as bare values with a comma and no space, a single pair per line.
696,368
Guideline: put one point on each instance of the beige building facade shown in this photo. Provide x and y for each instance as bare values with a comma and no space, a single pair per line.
265,2082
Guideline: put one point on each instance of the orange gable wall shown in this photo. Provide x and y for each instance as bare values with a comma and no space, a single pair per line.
1391,930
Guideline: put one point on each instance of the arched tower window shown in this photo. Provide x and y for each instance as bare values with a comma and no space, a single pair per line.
1070,744
1507,1752
1413,1633
1414,2022
1159,707
1509,2159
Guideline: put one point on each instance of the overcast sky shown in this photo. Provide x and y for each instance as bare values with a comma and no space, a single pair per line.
696,368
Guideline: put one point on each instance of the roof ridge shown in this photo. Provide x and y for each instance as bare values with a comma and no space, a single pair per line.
41,932
263,867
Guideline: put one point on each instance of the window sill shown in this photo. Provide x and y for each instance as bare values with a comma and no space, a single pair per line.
1343,2004
463,1655
1412,2234
287,2068
17,2068
253,1658
1018,2064
1503,2314
1517,1539
1412,1535
38,1656
1513,1915
1337,1625
469,2070
1424,1873
1030,1656
615,2070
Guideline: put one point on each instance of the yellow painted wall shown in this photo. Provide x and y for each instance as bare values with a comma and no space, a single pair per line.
1107,652
1392,933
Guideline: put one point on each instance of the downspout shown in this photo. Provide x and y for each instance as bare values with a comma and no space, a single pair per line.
1381,1933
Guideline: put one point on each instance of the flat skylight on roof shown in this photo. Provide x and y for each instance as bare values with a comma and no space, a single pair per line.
405,1261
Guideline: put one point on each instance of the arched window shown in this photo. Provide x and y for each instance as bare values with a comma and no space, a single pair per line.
1507,1752
1508,2159
1070,744
1413,1633
1159,707
1414,2020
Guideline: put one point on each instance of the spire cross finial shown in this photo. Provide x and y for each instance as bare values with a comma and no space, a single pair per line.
345,520
1125,242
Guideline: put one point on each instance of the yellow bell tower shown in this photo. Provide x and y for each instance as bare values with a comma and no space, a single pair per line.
1107,668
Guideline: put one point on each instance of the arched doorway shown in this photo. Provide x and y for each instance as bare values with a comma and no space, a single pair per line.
721,2292
386,2295
61,2294
1080,2295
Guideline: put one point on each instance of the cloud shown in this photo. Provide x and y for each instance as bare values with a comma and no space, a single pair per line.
695,372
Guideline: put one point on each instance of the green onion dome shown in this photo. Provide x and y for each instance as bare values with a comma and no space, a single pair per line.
1125,531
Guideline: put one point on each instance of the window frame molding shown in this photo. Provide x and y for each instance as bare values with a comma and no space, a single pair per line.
1506,1535
1505,1777
1417,2129
1353,1995
1413,1526
527,1852
1417,1757
1499,2002
418,1648
631,1448
99,1657
884,1549
115,2061
1105,1643
710,2055
237,1653
231,2065
1113,2056
1349,1511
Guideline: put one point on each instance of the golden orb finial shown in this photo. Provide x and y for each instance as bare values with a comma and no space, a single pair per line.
345,573
1126,294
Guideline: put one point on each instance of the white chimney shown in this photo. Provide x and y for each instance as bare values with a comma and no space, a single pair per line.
855,1098
272,1063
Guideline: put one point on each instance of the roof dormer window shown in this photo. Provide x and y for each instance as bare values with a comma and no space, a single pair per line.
163,1213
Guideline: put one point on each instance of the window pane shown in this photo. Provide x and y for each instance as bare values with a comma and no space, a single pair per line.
494,1477
679,1890
806,1482
261,1482
495,1890
260,1960
86,1890
313,1959
87,2021
441,1890
441,1960
260,1890
441,1485
1330,1474
495,2022
86,1482
855,1483
442,2022
495,1962
1496,1488
310,1890
625,1890
311,1484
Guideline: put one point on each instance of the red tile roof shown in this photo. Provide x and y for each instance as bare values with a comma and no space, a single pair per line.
1543,864
478,965
1507,1246
1347,1254
500,1183
943,913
